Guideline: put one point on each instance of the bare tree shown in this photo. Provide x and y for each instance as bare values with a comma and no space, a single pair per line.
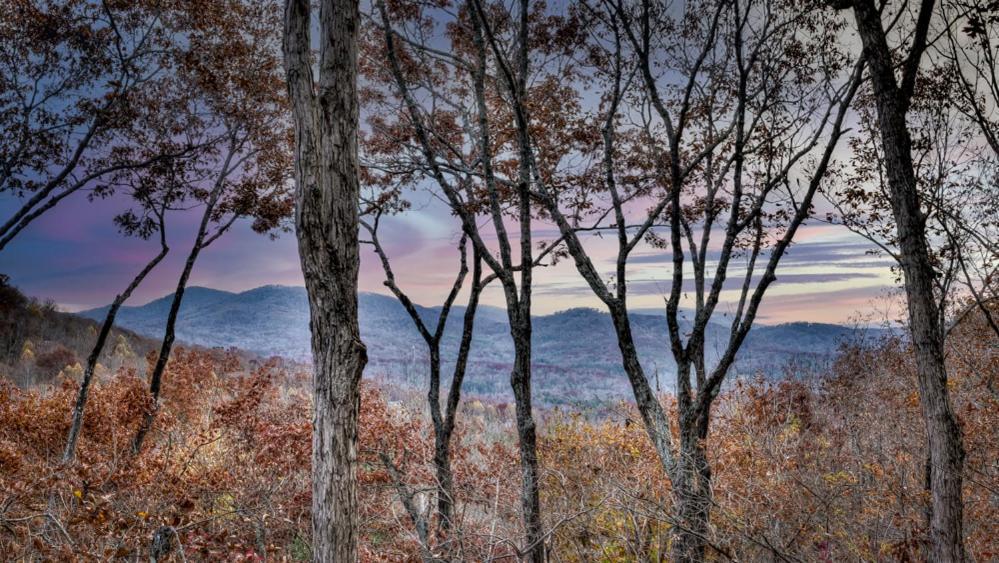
969,59
892,100
469,172
729,143
325,113
443,419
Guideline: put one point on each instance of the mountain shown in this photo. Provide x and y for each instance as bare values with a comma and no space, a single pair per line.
149,319
576,359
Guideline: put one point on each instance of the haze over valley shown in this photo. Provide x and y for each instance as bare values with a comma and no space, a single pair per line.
576,359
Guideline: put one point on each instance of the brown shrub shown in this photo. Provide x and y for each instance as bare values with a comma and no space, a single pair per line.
831,470
54,360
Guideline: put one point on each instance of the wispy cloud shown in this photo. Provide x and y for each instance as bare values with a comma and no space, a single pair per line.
75,256
662,287
832,253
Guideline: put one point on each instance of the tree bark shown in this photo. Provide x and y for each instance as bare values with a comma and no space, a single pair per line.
445,501
692,491
520,381
444,425
326,220
946,450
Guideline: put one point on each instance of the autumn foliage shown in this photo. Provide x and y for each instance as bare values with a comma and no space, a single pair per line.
827,467
817,469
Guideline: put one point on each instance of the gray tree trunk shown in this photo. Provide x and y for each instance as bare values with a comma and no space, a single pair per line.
169,335
326,219
946,450
692,490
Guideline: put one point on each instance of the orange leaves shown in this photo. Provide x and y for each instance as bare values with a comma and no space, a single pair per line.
828,469
227,464
110,502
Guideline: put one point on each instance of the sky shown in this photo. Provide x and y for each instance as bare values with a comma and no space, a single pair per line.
74,256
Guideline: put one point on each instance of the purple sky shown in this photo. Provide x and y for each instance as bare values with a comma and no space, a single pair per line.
75,256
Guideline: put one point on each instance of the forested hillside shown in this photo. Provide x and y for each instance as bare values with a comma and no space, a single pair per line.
575,354
806,470
38,342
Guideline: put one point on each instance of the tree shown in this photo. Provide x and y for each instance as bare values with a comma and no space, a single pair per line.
955,172
969,58
325,114
443,419
456,134
736,128
152,223
74,77
892,100
239,112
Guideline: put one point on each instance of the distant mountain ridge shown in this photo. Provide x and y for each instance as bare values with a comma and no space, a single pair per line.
575,351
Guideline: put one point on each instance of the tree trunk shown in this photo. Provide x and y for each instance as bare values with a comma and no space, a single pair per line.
692,493
944,439
520,381
656,422
156,378
95,353
338,360
326,220
442,441
689,470
445,480
442,451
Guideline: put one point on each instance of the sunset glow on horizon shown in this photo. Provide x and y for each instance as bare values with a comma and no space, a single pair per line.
75,257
